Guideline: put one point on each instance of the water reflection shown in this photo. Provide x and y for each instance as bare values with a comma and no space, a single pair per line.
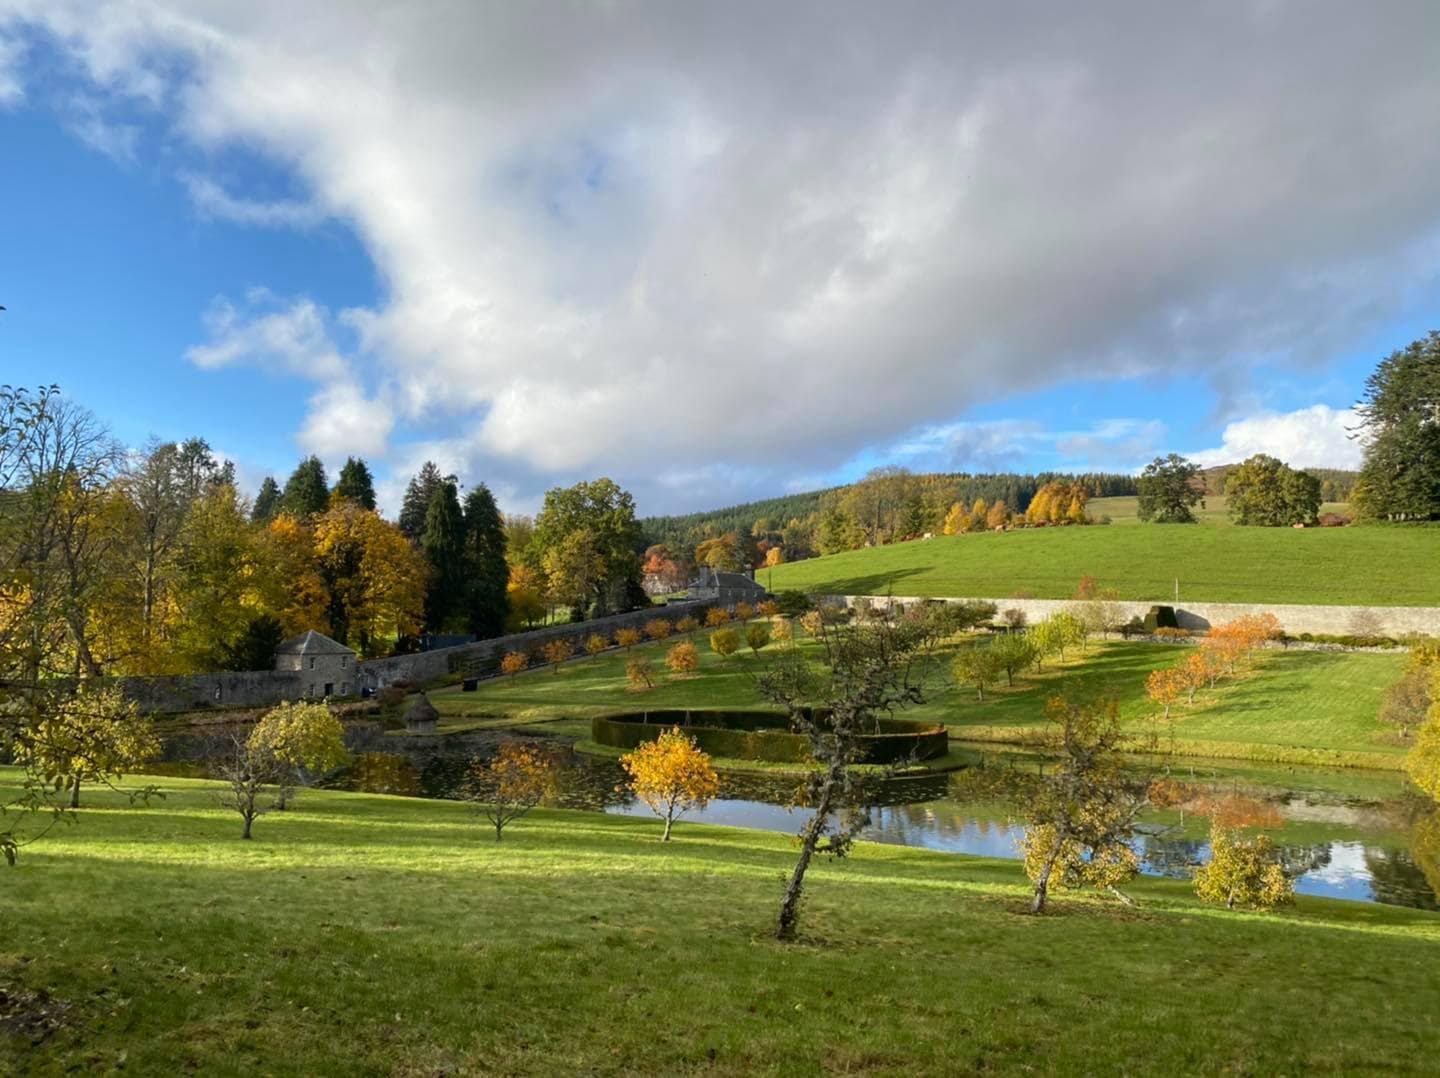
1367,859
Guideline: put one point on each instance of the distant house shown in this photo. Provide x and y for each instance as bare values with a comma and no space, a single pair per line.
326,667
718,586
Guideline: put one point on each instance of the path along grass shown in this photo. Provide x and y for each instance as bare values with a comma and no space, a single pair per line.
362,934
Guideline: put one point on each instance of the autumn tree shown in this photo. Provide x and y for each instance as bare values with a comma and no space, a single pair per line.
605,515
248,772
683,659
686,625
757,635
356,483
1243,872
518,777
721,552
671,775
1168,491
307,491
213,589
302,741
659,629
1082,813
556,652
640,674
595,644
716,616
774,556
955,520
998,516
866,671
524,596
725,642
89,735
1408,701
373,581
1422,762
1164,686
627,638
513,662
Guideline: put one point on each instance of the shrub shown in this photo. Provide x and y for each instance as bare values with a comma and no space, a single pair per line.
514,662
1014,618
792,603
1167,633
390,696
724,642
812,622
683,659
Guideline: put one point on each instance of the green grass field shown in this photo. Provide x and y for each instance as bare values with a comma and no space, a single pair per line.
1292,707
370,935
1214,562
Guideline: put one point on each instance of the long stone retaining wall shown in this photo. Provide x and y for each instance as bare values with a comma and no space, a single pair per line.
483,656
1394,621
195,692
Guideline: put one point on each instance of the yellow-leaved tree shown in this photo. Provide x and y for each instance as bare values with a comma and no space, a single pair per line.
90,735
672,775
374,579
683,659
1243,872
304,740
518,777
725,642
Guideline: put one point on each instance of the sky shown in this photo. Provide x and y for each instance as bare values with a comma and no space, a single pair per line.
718,251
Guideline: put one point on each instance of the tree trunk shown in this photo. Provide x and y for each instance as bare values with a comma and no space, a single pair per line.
1042,885
809,839
75,793
248,821
498,828
669,822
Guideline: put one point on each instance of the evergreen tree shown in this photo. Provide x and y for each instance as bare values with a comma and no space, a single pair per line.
443,543
488,574
356,483
416,506
306,491
267,502
1400,416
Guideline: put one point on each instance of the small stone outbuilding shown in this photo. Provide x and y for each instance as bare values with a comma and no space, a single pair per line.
725,588
422,716
326,667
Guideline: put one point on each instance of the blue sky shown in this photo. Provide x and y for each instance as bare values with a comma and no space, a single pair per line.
546,247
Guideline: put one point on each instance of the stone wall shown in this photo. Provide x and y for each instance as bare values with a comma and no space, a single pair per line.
1393,621
483,656
195,692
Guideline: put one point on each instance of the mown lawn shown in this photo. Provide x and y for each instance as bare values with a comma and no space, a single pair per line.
1321,703
362,934
1358,566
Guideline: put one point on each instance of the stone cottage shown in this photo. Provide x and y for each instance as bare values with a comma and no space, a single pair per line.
326,667
724,588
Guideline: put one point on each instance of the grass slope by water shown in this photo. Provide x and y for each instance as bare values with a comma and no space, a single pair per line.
1356,566
361,934
1294,707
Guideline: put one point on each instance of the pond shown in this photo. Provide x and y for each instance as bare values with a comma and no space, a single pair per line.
1342,834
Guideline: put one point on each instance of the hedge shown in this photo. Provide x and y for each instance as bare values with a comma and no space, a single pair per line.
761,735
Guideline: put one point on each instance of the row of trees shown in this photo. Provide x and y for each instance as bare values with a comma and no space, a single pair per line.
1262,491
1221,653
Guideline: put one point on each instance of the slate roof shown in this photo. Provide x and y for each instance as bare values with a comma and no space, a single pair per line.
312,643
422,710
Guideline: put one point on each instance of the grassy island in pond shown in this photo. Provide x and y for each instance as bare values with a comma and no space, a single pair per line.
371,935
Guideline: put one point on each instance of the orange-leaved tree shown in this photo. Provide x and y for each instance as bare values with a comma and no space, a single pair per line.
683,659
744,611
518,777
640,674
556,652
1164,687
716,616
514,662
627,638
672,775
595,644
659,629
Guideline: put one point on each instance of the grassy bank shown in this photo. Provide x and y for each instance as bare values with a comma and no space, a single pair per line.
1293,707
1355,566
371,935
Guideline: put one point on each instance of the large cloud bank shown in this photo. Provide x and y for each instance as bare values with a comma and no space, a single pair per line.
650,237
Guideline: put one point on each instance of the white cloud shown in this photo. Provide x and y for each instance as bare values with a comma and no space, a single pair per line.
212,200
343,421
1314,437
12,86
646,237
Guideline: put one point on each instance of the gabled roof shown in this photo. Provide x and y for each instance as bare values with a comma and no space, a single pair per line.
312,643
422,710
